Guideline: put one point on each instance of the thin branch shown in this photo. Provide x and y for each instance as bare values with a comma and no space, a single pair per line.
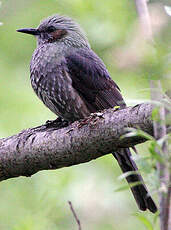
163,170
45,148
75,215
159,129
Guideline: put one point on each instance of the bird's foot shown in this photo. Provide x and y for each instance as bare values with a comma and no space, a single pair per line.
57,123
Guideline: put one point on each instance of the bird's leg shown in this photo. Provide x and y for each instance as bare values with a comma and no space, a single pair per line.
57,123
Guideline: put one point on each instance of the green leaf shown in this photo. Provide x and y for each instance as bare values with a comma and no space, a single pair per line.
145,221
137,132
155,114
122,188
154,154
128,186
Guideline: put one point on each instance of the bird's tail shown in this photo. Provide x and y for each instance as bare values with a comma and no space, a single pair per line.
140,192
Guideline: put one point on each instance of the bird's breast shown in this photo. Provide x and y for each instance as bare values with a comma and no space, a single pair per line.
53,85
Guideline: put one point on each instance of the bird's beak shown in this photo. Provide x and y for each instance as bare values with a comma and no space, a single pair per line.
29,31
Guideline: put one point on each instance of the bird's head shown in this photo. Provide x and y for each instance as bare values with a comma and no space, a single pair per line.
56,29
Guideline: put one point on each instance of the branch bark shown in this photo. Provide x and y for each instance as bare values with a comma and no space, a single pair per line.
43,148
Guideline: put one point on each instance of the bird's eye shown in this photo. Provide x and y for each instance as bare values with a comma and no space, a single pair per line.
51,29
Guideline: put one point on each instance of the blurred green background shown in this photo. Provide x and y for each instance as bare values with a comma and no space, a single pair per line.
40,202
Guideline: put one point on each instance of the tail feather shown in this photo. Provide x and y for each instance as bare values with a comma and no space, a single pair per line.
140,192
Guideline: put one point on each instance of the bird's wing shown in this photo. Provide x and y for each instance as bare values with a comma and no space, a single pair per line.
92,81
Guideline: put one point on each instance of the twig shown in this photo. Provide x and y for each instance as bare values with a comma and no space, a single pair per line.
163,170
75,215
159,129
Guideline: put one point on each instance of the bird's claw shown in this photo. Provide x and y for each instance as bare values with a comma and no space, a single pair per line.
57,123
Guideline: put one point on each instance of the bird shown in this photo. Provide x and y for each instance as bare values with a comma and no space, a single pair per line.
73,82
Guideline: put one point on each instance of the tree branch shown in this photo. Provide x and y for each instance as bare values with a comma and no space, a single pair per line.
43,148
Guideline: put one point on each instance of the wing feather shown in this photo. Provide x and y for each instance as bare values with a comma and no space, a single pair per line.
92,81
